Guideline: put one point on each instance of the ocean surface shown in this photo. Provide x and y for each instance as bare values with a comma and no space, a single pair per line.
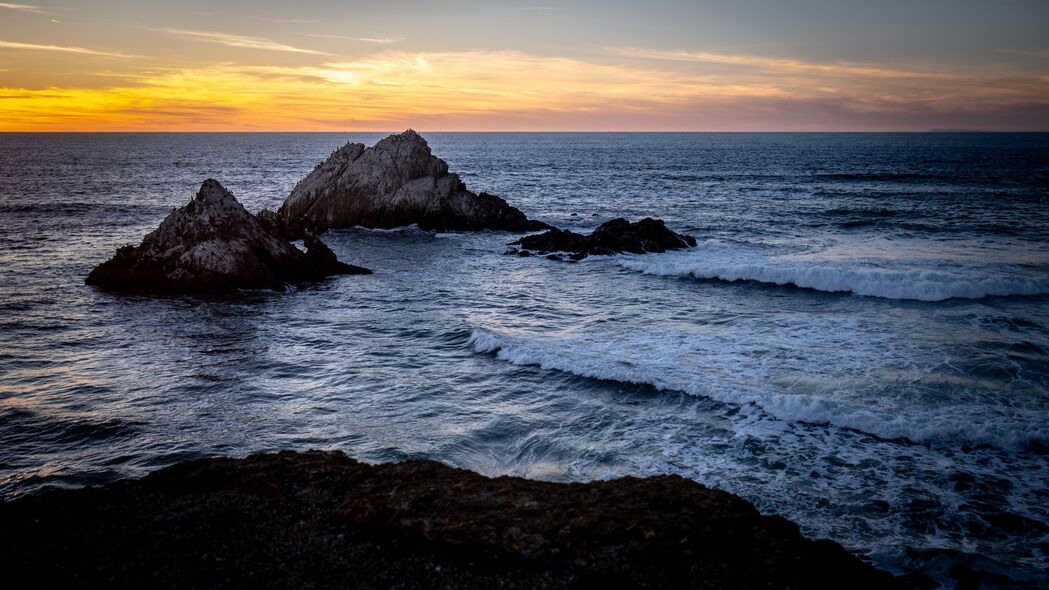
860,341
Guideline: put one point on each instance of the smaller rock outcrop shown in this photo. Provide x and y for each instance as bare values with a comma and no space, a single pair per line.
612,237
325,261
214,244
396,182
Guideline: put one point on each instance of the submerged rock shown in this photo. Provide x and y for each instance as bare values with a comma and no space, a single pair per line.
323,520
214,244
394,183
611,237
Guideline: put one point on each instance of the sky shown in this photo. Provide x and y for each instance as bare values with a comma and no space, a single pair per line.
547,65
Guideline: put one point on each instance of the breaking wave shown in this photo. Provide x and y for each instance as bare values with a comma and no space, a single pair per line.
921,280
715,368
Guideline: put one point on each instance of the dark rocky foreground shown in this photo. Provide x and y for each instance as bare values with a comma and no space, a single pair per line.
323,520
612,237
214,244
396,182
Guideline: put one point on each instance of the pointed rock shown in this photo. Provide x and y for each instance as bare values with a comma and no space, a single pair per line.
211,244
394,183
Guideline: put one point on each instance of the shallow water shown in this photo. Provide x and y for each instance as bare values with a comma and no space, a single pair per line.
860,342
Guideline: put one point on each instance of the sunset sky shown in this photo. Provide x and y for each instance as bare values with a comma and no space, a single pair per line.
316,65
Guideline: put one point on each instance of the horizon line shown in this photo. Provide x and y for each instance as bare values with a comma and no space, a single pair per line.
165,131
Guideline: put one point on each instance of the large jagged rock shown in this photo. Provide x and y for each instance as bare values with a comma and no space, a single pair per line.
214,244
612,237
394,183
323,520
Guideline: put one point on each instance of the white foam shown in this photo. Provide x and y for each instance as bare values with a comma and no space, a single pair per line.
782,377
390,230
922,279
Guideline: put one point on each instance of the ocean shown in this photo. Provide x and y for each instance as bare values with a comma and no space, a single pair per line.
860,341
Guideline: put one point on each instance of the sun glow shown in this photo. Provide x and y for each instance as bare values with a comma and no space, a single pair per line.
372,93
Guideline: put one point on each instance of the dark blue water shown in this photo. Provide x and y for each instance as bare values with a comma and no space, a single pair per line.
860,342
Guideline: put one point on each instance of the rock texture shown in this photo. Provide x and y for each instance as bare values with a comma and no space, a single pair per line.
322,520
394,183
214,244
611,237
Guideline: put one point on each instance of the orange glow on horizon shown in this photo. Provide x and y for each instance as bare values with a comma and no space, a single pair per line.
507,90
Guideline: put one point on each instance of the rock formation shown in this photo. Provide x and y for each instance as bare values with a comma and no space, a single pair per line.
323,520
612,237
394,183
214,244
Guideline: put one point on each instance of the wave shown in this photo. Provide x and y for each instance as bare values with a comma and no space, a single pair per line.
876,177
78,208
883,212
664,364
400,229
920,280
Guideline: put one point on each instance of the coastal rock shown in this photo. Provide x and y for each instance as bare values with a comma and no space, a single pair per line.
396,182
325,261
612,237
214,244
323,520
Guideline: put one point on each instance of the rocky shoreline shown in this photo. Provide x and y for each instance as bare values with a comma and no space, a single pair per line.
323,520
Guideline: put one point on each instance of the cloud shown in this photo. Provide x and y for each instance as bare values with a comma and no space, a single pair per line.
774,64
239,41
60,48
24,8
539,8
1043,53
376,40
514,90
294,21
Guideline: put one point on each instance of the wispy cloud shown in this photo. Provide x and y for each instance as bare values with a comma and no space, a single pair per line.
376,40
24,8
60,48
775,64
295,21
514,90
1043,53
239,41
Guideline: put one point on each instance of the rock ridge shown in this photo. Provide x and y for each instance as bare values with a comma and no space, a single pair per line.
323,520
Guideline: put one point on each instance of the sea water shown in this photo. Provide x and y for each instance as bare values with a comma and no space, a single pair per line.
859,342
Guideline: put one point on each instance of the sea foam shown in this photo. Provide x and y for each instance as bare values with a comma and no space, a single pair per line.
791,388
921,279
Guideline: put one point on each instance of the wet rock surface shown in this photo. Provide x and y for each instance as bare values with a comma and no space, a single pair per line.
396,182
323,520
214,244
612,237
